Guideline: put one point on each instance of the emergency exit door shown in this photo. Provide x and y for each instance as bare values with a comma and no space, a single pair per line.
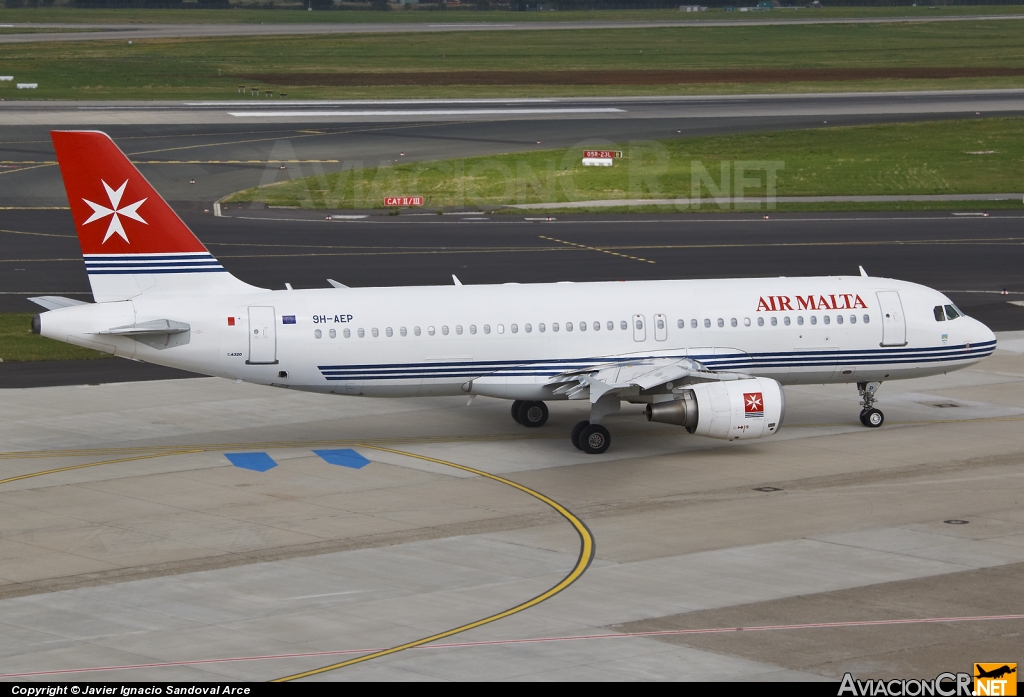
262,336
639,328
894,325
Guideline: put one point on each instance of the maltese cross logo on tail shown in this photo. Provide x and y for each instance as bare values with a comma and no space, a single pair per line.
129,211
753,405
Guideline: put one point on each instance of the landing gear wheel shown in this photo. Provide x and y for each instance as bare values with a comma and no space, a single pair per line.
515,410
594,439
575,436
872,418
533,414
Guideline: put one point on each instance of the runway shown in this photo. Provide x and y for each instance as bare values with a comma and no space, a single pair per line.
253,110
134,550
124,32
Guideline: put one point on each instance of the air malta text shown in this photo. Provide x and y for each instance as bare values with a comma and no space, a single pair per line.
781,303
324,319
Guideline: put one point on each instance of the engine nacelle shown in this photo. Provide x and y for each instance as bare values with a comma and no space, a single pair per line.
731,410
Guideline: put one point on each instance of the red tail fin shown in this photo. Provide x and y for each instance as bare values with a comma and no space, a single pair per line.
116,211
131,239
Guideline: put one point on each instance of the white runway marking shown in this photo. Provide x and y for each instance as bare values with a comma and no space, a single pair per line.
429,112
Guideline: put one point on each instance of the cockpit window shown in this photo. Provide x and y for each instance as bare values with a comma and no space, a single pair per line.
952,312
940,316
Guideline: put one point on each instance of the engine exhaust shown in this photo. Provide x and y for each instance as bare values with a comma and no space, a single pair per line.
681,412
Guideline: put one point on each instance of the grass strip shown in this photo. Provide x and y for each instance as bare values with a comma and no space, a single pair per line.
976,156
643,61
18,343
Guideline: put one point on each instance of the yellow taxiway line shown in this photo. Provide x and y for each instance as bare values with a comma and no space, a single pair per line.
586,555
149,456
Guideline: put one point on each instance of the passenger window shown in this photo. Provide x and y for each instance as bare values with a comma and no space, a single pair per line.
623,325
541,327
347,333
639,324
318,333
681,323
826,319
430,330
839,319
660,324
361,332
707,324
760,321
952,312
721,322
940,316
472,329
785,320
693,323
746,321
814,319
867,319
568,326
389,331
853,319
554,326
597,326
403,331
416,331
611,325
444,329
775,321
501,328
583,326
375,332
333,334
733,322
487,329
514,328
458,329
528,327
799,320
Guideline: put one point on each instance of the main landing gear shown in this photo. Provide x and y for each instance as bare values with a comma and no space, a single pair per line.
869,416
593,439
530,414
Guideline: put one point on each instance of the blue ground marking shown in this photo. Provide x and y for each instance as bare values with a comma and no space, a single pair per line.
345,457
257,462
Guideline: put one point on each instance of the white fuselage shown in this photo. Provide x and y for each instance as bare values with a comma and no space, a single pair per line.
509,340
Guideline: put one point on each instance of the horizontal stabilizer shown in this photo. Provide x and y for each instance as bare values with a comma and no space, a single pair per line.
151,328
55,302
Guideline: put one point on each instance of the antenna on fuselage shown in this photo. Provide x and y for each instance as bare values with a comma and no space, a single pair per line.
336,284
863,272
456,279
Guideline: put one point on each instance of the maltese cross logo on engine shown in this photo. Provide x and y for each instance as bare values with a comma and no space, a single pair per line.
130,211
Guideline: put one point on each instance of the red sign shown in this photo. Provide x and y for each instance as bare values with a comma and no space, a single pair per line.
839,301
753,404
602,154
403,200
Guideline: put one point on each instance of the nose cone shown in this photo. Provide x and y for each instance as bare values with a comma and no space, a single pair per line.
981,335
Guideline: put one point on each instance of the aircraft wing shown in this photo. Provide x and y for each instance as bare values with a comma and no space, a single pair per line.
629,378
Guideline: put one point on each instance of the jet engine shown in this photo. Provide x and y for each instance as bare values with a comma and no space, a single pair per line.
730,409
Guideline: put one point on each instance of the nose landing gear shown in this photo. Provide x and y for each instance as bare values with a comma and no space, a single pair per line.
869,416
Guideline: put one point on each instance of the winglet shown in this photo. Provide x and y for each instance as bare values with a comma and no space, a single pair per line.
863,272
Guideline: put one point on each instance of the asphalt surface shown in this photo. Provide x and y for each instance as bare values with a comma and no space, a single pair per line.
124,32
770,110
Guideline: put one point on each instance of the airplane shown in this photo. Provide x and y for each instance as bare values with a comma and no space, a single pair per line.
711,356
996,673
